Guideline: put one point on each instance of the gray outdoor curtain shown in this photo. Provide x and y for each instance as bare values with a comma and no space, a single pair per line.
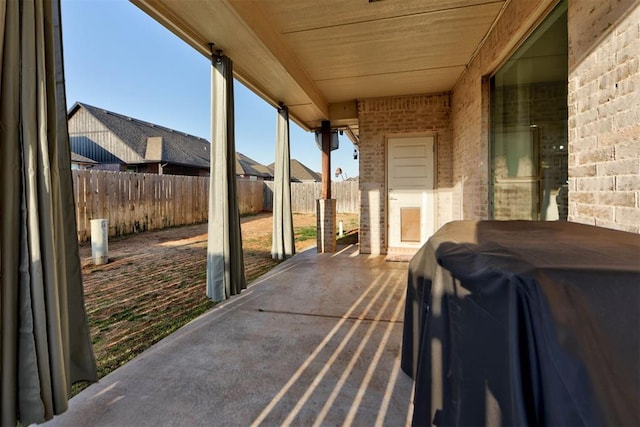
44,338
283,244
225,261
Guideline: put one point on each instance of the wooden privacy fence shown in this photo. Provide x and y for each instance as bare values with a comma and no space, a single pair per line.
305,194
133,202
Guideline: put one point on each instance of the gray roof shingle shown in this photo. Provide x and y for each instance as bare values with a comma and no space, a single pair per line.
174,147
299,172
248,166
177,147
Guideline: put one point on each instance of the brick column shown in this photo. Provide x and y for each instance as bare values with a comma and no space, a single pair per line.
326,224
326,159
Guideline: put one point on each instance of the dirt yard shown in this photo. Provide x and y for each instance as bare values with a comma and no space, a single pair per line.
155,282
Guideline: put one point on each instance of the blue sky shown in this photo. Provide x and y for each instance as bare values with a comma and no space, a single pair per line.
118,58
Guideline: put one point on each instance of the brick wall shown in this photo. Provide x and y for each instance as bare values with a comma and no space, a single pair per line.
604,115
379,119
326,225
470,108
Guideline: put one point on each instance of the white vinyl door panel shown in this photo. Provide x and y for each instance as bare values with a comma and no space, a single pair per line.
410,188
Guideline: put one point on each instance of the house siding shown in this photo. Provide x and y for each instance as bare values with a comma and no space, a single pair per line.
90,138
604,114
379,119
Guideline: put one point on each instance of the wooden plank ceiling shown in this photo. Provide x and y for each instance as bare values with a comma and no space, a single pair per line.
319,56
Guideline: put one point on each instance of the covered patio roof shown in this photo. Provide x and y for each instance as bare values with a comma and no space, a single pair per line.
319,57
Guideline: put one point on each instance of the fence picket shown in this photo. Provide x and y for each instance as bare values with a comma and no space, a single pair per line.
305,194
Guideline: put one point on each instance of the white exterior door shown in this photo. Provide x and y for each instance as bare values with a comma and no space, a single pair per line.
410,191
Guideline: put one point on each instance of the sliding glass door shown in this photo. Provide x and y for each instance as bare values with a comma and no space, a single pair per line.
529,126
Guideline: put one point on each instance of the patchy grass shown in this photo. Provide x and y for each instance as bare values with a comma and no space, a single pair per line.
126,333
305,233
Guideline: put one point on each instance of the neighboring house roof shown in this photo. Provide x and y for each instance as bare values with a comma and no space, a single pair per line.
153,143
263,170
249,167
299,172
77,158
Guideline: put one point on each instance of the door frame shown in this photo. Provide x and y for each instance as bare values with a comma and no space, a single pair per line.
387,211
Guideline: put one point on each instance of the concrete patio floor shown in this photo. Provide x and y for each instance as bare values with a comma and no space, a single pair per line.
316,341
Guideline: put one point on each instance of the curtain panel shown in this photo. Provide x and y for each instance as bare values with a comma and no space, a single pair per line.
225,260
44,337
283,243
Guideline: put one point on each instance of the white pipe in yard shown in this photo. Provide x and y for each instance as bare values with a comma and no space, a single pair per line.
100,241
